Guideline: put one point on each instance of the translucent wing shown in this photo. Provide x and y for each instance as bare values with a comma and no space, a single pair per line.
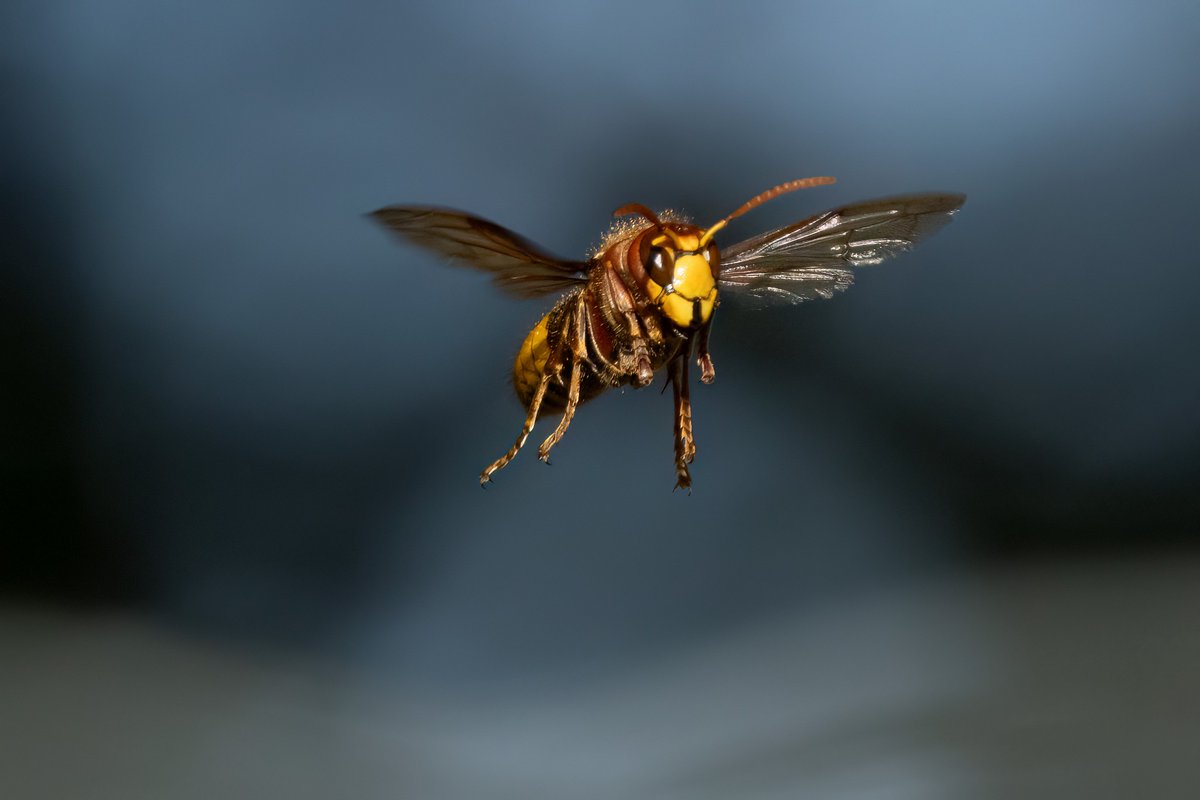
817,257
517,265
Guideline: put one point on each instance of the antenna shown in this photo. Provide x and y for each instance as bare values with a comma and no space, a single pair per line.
759,199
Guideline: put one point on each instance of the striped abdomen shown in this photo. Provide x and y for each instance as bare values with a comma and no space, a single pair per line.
555,330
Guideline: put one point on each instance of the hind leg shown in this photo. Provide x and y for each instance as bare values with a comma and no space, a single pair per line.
578,337
552,368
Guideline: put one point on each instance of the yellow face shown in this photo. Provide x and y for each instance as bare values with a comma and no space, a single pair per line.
683,282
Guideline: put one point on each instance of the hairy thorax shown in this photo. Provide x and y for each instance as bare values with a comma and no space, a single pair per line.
624,336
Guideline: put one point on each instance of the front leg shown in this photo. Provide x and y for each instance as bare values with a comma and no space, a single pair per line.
707,371
643,369
685,443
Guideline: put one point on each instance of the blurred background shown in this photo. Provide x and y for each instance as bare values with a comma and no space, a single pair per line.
942,541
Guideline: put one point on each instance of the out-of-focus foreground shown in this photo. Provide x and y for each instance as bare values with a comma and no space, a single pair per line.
1014,683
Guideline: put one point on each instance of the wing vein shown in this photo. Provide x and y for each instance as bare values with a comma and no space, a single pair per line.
816,257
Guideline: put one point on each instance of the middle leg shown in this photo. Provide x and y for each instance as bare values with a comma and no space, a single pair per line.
703,358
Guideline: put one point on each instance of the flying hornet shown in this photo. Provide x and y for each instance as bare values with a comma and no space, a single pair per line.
645,299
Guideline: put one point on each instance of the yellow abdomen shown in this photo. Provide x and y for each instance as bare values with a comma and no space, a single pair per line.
531,360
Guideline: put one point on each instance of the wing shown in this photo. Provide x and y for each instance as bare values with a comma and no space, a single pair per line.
517,265
817,256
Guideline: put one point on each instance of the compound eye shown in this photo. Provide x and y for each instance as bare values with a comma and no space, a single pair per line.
660,266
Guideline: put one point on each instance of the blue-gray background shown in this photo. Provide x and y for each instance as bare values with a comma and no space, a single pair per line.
242,426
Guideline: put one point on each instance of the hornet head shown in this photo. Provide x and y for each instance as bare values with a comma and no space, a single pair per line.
677,265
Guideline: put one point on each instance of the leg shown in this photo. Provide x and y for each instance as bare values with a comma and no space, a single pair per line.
685,444
578,334
552,366
643,372
653,329
568,413
707,371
